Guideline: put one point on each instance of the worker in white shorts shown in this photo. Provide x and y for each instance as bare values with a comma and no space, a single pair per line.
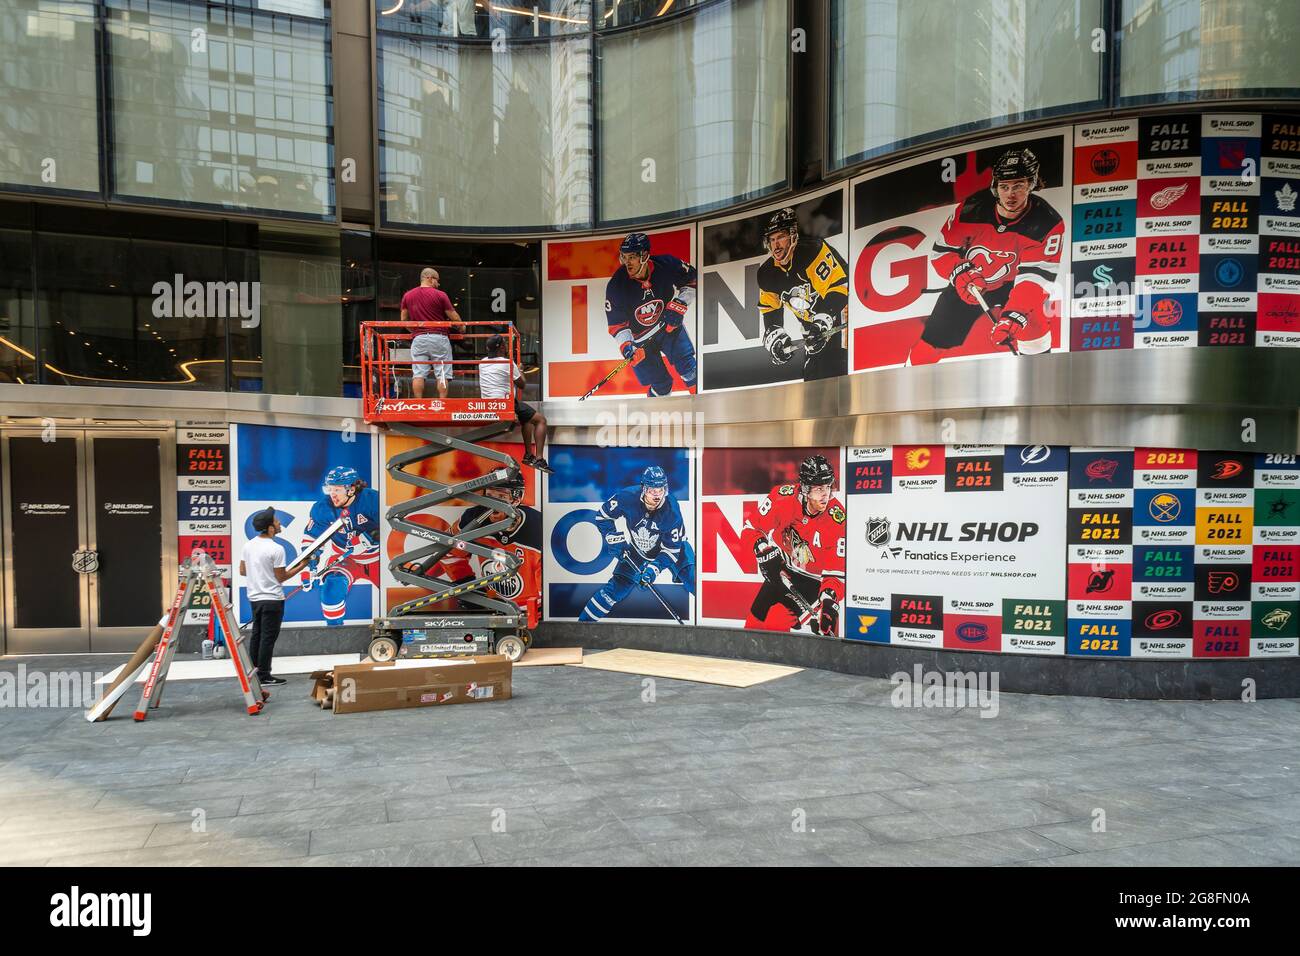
430,348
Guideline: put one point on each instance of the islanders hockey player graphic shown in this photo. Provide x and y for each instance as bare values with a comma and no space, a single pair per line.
646,302
655,540
799,543
1003,244
808,277
523,539
352,553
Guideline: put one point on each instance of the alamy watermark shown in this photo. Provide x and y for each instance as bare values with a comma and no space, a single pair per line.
42,689
208,300
632,428
922,688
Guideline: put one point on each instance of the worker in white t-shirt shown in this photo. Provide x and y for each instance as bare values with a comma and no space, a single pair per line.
263,568
495,373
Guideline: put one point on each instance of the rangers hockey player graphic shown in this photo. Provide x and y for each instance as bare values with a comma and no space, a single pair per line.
799,543
655,540
523,539
810,279
646,302
1006,243
353,550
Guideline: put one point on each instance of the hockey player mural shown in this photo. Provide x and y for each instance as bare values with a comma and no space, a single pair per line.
523,539
772,555
352,554
620,529
775,294
961,255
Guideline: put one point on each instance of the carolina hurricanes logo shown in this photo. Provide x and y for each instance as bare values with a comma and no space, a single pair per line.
1226,469
993,265
917,458
1163,620
1167,196
648,313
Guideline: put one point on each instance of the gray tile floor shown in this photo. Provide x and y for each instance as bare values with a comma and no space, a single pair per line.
579,769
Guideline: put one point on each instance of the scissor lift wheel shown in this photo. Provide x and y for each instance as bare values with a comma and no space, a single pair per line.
512,646
383,649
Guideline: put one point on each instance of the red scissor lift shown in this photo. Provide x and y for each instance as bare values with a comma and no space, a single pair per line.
415,628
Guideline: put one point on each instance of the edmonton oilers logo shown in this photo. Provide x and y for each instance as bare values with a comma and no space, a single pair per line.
1105,162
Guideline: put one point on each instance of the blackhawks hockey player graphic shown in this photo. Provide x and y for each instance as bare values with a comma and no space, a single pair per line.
809,277
655,540
353,550
1004,242
799,543
646,302
523,539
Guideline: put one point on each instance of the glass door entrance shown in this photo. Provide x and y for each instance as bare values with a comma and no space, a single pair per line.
86,524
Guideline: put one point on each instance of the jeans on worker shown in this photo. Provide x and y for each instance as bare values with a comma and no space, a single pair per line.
267,616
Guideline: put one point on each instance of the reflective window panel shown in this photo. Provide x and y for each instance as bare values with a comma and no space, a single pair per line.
220,106
473,137
611,14
694,111
17,317
484,19
902,71
1205,49
49,119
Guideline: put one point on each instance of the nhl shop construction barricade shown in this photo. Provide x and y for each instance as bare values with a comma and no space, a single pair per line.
352,688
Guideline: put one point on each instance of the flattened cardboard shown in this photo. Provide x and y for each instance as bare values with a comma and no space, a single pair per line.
371,686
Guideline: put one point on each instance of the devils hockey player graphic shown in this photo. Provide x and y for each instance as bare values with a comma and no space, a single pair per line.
523,539
1004,243
807,276
646,302
799,542
655,540
353,550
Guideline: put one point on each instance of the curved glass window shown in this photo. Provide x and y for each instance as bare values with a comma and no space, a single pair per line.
49,117
223,107
694,111
484,19
1205,49
611,14
485,135
903,72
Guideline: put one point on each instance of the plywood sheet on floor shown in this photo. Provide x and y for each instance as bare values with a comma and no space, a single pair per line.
543,656
203,670
704,670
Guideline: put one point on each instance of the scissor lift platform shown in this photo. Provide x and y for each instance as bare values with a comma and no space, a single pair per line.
415,628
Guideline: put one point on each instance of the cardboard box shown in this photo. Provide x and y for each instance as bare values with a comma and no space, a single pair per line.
353,688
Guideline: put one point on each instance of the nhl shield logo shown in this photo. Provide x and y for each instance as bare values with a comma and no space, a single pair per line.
878,532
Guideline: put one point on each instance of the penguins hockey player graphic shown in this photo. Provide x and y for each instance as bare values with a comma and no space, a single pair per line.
646,302
655,540
807,276
799,543
1006,243
353,551
523,539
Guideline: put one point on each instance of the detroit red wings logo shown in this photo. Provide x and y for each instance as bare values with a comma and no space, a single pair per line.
648,313
1168,196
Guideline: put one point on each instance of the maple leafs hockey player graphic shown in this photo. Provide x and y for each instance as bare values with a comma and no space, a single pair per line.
1006,243
353,551
646,302
523,539
799,543
808,277
655,540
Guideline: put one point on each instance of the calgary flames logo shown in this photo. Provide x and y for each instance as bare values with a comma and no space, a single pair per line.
917,458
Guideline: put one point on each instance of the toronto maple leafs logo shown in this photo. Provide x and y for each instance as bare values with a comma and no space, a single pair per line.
1286,197
644,538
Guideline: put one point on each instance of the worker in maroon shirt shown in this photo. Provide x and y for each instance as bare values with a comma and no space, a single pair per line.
431,348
